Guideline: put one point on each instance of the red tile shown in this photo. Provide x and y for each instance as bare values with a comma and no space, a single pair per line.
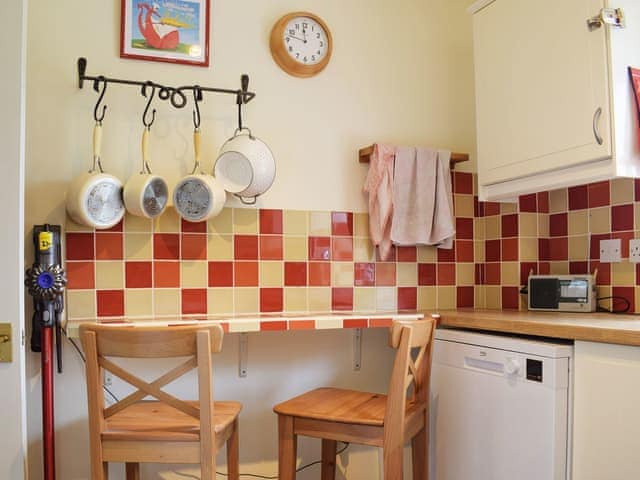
118,227
492,250
342,299
510,298
193,246
446,274
464,228
578,197
271,222
273,326
79,246
319,274
138,274
270,247
544,252
80,275
624,238
559,248
220,274
463,182
391,257
386,274
447,254
166,246
636,188
598,194
166,274
594,244
342,224
110,303
558,225
637,274
544,268
543,202
319,248
407,254
578,268
364,274
271,299
302,324
464,297
526,269
245,247
479,274
478,207
380,322
622,217
246,274
194,300
603,276
510,225
295,274
342,248
354,323
492,275
109,246
193,227
528,203
491,208
426,274
464,250
407,298
627,293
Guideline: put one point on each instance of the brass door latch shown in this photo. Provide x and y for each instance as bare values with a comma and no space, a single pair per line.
5,343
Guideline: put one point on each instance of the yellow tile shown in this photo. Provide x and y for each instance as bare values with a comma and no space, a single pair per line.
363,250
478,252
510,273
427,298
623,274
558,201
271,274
508,207
219,247
528,249
295,249
465,273
492,227
246,300
386,299
319,299
342,274
168,222
493,297
479,228
463,205
245,220
622,191
81,304
361,225
137,246
578,222
637,299
222,223
559,268
446,298
138,302
71,226
636,215
543,225
295,222
166,301
427,254
193,274
319,223
602,293
364,299
109,275
407,274
579,248
219,300
295,299
528,224
600,220
479,296
133,223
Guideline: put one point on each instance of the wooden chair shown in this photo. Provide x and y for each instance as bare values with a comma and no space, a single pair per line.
386,421
166,430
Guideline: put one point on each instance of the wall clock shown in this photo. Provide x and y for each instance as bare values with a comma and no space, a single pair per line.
301,44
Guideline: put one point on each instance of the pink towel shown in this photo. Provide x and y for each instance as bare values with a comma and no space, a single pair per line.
379,186
422,199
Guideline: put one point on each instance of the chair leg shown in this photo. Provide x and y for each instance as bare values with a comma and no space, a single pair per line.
133,471
328,469
393,463
233,456
420,454
287,448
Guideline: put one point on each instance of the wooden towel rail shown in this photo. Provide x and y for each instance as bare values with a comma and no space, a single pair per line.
364,155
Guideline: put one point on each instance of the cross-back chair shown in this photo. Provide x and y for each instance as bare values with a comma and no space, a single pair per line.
166,429
387,421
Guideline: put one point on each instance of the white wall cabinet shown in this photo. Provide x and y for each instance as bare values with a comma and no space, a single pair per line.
553,98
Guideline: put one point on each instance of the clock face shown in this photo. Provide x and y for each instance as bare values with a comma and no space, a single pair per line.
305,40
104,203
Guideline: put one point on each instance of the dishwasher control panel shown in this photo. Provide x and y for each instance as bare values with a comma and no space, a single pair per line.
534,370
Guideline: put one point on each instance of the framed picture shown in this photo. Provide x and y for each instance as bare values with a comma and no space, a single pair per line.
175,31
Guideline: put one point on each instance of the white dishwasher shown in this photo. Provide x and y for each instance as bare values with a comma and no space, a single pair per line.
500,407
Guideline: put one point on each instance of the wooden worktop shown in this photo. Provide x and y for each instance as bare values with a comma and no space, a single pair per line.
591,327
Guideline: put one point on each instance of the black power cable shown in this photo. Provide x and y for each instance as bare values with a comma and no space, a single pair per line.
625,309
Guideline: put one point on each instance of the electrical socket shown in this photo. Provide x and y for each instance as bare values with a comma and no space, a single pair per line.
634,250
611,251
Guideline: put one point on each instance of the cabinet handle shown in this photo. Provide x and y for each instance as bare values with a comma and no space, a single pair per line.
596,132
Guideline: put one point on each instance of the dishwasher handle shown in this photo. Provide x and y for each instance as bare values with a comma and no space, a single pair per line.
483,365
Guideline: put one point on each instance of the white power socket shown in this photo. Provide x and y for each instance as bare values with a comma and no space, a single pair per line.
634,250
611,251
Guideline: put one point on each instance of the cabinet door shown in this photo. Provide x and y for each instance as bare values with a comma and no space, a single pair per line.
541,76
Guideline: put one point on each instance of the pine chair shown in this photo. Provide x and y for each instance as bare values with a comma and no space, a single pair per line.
165,430
387,421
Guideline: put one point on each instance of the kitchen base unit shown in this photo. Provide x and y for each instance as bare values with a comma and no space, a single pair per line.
500,407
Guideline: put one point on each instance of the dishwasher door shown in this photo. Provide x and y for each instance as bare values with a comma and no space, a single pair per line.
498,414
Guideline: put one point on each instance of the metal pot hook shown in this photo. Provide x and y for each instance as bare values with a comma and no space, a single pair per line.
145,122
96,86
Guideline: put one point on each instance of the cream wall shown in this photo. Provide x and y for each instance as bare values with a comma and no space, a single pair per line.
401,72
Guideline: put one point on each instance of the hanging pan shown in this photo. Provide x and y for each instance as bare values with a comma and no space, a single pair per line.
94,198
146,194
198,196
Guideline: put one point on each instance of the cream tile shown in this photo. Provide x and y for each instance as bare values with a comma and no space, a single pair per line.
508,207
622,191
168,222
479,296
604,291
465,274
133,223
219,301
166,301
193,274
109,275
478,251
623,274
295,299
138,302
81,304
319,299
528,224
579,248
319,223
245,220
271,274
559,268
407,274
222,223
361,225
427,298
219,247
492,227
543,225
364,251
295,222
510,273
427,254
364,299
479,228
138,246
637,299
446,298
599,220
463,205
528,249
636,215
295,249
342,274
246,300
493,297
386,299
558,201
578,222
71,226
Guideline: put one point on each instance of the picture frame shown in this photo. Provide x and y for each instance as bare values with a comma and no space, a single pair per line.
173,31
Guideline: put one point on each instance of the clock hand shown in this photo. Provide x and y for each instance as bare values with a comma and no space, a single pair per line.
298,38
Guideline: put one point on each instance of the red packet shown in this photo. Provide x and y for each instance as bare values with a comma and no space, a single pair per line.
634,75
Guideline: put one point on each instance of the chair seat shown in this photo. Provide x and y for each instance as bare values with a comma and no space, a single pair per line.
156,421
